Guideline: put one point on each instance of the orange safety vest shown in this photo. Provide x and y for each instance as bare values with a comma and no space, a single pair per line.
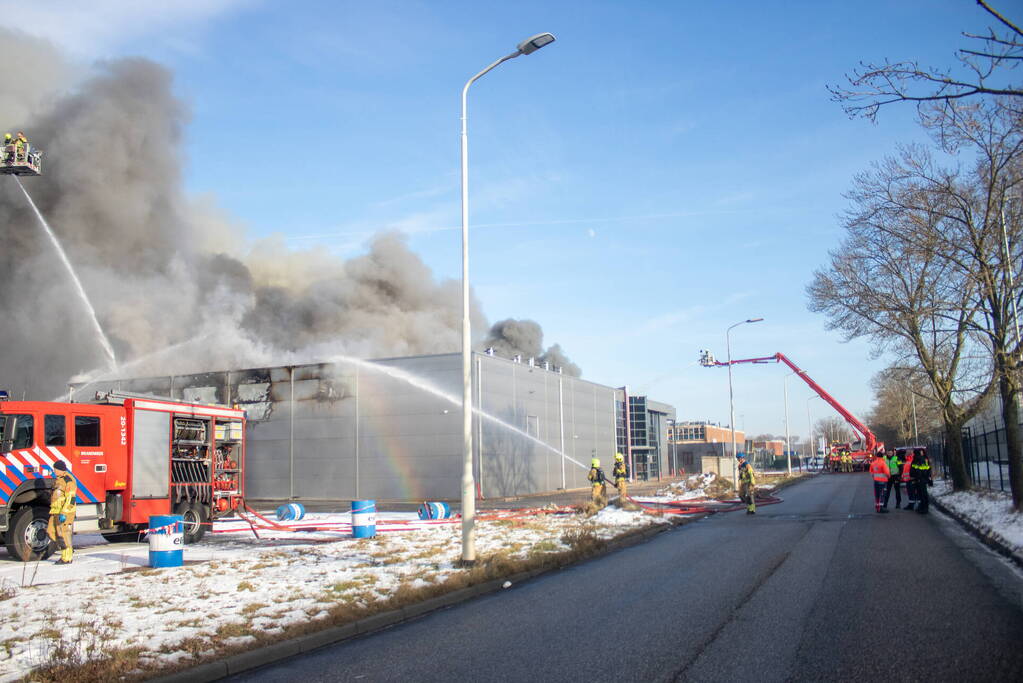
906,468
879,468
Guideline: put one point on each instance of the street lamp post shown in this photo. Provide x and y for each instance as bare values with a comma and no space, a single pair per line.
731,394
527,46
809,430
674,444
788,443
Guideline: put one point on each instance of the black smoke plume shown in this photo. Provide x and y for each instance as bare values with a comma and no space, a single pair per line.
524,338
175,285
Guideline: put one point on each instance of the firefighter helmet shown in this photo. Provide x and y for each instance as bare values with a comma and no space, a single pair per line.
619,457
595,462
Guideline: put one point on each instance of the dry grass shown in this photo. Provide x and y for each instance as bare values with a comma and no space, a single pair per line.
78,653
232,630
125,663
781,481
251,609
8,645
7,590
720,488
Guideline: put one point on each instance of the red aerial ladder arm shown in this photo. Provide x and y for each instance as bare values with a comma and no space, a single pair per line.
869,440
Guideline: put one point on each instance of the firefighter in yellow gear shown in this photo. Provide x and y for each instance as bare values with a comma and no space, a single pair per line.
598,484
620,473
20,147
747,484
62,511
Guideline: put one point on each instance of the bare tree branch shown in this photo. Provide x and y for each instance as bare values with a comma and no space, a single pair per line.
874,85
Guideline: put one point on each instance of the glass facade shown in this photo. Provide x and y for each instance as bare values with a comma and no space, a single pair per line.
644,428
620,427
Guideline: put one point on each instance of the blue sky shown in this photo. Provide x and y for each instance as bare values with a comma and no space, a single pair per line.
663,170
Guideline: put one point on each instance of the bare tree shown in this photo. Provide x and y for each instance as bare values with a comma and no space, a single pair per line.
983,239
889,282
983,70
905,406
978,107
834,429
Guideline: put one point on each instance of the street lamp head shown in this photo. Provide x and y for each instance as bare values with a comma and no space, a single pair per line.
534,43
754,320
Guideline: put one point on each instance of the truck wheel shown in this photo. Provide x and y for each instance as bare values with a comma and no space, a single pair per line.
121,534
195,516
26,537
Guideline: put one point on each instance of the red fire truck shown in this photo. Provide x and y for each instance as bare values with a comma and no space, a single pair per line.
132,456
868,445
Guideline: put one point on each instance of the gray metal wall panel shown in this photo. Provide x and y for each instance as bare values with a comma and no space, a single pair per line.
267,466
150,466
356,432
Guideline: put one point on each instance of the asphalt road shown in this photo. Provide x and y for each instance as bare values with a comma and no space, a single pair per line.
818,587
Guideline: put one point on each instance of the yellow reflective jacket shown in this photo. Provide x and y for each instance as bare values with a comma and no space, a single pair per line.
746,474
620,471
62,500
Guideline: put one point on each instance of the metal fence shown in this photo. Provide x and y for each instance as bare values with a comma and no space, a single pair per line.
986,456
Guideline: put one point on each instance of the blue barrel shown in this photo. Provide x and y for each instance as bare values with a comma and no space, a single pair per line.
434,511
290,511
166,540
364,518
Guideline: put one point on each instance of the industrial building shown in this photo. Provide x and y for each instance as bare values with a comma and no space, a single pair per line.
641,435
391,429
693,440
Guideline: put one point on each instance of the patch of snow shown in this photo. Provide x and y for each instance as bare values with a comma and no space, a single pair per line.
285,577
990,511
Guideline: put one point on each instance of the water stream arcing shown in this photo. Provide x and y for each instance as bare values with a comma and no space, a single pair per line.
106,373
420,383
100,335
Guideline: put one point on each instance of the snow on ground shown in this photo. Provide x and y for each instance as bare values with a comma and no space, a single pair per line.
233,584
989,511
691,488
694,488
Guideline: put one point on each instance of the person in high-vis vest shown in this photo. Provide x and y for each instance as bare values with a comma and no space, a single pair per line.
598,484
747,484
879,472
895,480
620,474
62,511
907,478
922,476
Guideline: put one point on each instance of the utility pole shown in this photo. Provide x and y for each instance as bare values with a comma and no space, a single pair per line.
916,434
788,443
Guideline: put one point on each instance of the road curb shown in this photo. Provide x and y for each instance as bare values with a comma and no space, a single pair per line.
796,480
985,536
269,654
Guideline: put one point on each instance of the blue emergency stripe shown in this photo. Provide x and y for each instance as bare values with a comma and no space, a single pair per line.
82,489
18,473
3,494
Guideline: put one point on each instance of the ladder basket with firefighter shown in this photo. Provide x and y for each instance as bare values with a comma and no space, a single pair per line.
21,160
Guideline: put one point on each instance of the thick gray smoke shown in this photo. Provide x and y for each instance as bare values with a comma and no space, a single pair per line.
171,286
510,338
